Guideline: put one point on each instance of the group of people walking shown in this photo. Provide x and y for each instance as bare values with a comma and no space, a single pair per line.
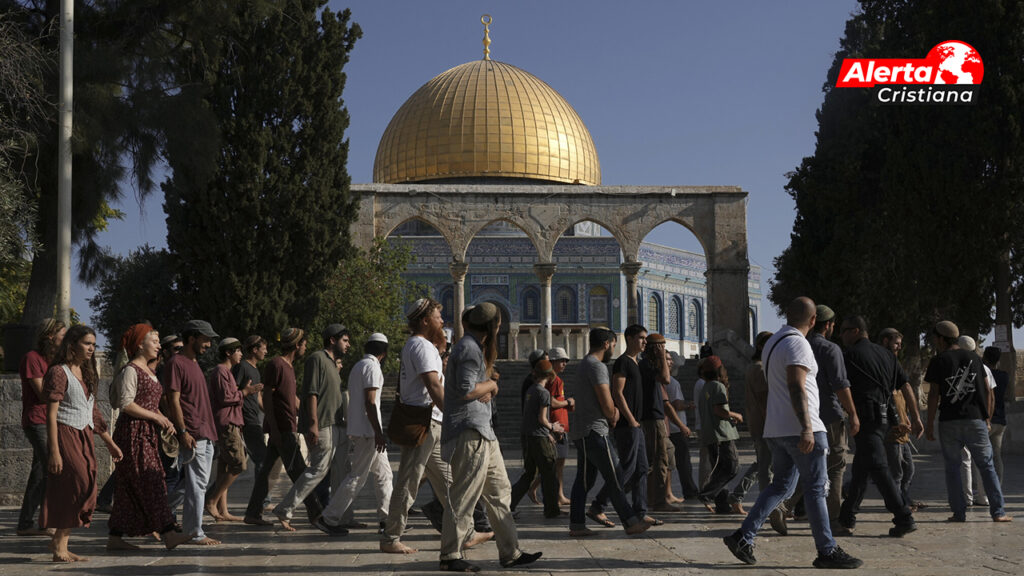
804,396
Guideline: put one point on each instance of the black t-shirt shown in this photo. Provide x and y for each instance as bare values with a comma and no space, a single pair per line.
872,371
247,375
633,390
654,404
960,378
536,399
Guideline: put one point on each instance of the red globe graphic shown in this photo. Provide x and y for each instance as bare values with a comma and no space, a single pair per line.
957,63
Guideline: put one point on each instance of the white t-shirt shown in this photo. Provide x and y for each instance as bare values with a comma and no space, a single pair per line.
698,386
991,377
366,374
788,347
419,356
675,392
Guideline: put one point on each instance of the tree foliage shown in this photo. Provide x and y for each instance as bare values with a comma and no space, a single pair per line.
368,293
108,140
257,221
903,212
140,286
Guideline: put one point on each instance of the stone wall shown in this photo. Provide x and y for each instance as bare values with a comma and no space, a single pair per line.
15,452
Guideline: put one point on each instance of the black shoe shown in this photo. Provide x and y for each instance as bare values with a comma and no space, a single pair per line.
740,548
901,530
330,529
524,559
458,565
837,559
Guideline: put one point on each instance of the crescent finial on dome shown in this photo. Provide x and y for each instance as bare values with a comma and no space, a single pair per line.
486,21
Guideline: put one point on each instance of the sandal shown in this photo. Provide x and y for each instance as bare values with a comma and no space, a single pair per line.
600,518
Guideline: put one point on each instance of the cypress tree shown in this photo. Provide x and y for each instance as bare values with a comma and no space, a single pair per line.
256,226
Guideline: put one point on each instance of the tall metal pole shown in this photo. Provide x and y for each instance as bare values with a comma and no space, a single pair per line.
67,34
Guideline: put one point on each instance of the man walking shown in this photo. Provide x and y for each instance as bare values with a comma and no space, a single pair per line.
188,401
958,393
797,437
319,420
468,443
872,371
627,392
594,417
369,454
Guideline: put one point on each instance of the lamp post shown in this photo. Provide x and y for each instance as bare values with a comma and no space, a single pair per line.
67,33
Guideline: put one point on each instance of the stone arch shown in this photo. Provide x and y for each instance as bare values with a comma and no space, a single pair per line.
524,227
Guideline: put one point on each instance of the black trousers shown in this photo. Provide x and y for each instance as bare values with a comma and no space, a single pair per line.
725,465
287,449
871,461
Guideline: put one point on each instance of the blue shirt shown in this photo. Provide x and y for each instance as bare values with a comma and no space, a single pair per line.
831,376
466,368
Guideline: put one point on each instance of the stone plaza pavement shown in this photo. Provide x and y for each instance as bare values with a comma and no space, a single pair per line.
690,542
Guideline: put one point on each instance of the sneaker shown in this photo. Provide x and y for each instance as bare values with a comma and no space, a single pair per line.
741,549
901,530
837,559
777,519
458,565
523,559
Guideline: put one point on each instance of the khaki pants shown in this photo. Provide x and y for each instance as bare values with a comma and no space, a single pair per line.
478,471
655,439
416,462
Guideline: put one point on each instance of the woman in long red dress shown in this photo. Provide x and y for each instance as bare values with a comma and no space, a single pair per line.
72,417
140,495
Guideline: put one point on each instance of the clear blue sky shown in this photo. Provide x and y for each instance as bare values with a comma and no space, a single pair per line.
674,93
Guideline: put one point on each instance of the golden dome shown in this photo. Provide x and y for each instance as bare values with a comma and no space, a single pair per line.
486,119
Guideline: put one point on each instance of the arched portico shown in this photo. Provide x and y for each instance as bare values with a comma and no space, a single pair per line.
715,214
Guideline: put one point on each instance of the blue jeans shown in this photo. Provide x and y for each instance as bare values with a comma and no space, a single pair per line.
788,464
195,475
973,435
595,453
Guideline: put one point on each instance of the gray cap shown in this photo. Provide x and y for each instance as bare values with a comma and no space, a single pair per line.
557,353
333,330
536,355
201,326
947,329
967,343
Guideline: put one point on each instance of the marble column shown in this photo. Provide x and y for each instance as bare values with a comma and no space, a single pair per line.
630,271
513,334
544,272
458,271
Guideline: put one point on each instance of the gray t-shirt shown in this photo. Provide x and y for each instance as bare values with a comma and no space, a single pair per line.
248,375
535,400
588,417
466,368
321,379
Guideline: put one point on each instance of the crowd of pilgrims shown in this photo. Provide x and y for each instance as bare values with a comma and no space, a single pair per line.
628,424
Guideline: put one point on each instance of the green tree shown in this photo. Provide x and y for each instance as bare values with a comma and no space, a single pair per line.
256,226
903,212
108,146
137,287
368,293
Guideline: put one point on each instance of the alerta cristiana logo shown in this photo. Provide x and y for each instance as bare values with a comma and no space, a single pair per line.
949,74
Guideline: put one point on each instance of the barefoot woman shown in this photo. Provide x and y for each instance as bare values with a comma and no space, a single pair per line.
140,497
71,419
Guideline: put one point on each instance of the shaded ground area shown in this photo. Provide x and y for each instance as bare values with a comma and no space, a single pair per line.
688,543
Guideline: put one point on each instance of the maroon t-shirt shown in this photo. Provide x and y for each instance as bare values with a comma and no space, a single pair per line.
185,376
279,378
225,396
33,410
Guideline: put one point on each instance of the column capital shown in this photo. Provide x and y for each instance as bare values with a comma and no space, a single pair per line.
544,271
458,270
631,269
